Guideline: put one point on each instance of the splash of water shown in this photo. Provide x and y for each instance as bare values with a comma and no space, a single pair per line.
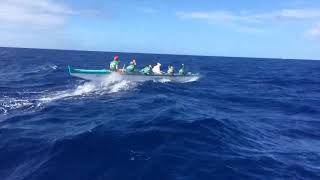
162,80
193,79
111,84
9,104
114,83
48,67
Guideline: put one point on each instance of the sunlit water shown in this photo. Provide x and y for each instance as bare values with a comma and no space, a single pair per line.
243,119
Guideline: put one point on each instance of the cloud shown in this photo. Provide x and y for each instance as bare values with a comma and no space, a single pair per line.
314,32
33,13
247,21
216,16
147,10
290,14
39,23
247,17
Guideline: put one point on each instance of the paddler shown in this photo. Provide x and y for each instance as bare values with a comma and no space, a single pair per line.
132,66
114,65
170,70
156,69
182,70
146,70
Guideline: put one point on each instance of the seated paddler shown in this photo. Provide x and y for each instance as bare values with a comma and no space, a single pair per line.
132,66
146,70
114,65
182,70
170,70
157,69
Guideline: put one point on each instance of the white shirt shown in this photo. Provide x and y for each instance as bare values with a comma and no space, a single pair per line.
156,69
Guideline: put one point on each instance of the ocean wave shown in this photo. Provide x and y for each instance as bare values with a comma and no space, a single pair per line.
9,104
47,68
91,88
81,90
113,84
237,122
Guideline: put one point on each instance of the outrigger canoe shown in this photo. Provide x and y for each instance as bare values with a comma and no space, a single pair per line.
102,74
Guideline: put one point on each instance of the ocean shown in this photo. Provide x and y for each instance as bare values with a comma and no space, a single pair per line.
245,118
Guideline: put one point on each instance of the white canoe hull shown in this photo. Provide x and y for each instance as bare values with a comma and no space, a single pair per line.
136,77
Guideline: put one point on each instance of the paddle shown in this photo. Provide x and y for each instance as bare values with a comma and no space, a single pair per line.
123,68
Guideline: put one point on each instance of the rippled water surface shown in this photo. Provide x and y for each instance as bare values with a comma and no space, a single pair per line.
243,119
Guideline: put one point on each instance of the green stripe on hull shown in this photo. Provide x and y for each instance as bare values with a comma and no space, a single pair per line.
89,71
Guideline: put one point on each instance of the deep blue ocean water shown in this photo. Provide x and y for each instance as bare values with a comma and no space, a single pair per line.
243,119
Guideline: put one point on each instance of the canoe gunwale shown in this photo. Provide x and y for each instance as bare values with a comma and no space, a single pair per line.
107,72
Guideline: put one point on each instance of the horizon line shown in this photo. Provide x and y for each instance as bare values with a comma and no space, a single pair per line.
268,58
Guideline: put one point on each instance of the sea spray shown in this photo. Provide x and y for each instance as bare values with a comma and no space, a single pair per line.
111,84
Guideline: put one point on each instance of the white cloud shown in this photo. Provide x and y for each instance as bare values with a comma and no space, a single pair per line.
147,10
219,16
37,23
290,14
247,17
214,16
314,33
33,13
256,22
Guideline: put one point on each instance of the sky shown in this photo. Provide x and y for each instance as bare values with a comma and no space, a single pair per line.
242,28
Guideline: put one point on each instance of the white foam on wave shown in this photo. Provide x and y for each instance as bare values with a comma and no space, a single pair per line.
53,67
163,80
78,91
9,104
83,90
193,79
122,86
112,84
48,67
36,69
14,103
3,111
